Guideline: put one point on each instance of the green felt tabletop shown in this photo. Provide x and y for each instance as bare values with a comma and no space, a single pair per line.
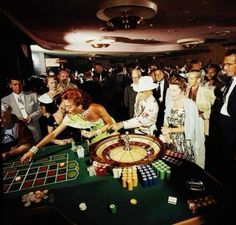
98,192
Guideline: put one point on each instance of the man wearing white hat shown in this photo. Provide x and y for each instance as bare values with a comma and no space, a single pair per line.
145,109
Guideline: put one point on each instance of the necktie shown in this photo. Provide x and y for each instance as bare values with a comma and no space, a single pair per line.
22,106
159,90
20,99
226,89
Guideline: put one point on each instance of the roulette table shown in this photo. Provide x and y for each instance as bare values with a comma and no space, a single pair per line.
188,196
126,149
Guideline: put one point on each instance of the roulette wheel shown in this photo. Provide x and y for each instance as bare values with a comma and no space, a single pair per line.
126,150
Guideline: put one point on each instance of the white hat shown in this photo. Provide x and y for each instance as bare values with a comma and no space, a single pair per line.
145,83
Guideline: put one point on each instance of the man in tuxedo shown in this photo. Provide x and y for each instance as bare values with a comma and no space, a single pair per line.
227,135
24,105
100,74
228,117
159,93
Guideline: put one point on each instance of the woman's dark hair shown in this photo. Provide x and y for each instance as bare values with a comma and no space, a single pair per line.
77,96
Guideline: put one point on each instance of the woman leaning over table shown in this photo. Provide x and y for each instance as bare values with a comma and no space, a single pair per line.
81,114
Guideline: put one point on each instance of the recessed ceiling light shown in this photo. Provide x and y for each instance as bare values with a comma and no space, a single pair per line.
102,42
191,42
222,33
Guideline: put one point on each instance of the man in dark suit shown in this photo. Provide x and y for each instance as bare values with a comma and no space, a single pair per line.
228,117
91,87
100,74
159,93
227,136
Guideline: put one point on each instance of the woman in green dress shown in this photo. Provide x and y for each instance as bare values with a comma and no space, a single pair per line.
92,119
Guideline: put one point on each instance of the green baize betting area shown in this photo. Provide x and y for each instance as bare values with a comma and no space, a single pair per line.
99,192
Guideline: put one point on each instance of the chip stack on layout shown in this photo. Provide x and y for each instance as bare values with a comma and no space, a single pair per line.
129,178
147,175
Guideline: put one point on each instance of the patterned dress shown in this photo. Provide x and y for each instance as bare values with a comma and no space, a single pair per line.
179,142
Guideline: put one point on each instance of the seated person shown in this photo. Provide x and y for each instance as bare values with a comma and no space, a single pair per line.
16,136
145,109
80,114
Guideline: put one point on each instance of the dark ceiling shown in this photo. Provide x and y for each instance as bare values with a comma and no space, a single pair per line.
70,24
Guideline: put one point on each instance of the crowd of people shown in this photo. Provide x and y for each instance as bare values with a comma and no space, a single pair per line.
192,110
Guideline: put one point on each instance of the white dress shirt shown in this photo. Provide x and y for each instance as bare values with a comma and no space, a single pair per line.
224,110
161,89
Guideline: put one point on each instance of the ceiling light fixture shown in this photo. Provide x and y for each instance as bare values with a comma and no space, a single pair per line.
102,42
100,45
191,42
126,14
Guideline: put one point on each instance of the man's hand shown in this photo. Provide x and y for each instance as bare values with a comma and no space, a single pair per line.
28,120
116,126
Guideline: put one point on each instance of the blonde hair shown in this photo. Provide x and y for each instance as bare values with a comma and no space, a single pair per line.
197,74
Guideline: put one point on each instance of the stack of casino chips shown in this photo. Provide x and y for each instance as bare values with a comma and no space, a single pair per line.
162,170
147,175
175,154
129,178
174,157
98,169
117,172
202,203
101,170
34,197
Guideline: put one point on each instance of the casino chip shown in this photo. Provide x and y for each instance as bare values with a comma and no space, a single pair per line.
133,201
113,208
62,164
17,179
82,206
